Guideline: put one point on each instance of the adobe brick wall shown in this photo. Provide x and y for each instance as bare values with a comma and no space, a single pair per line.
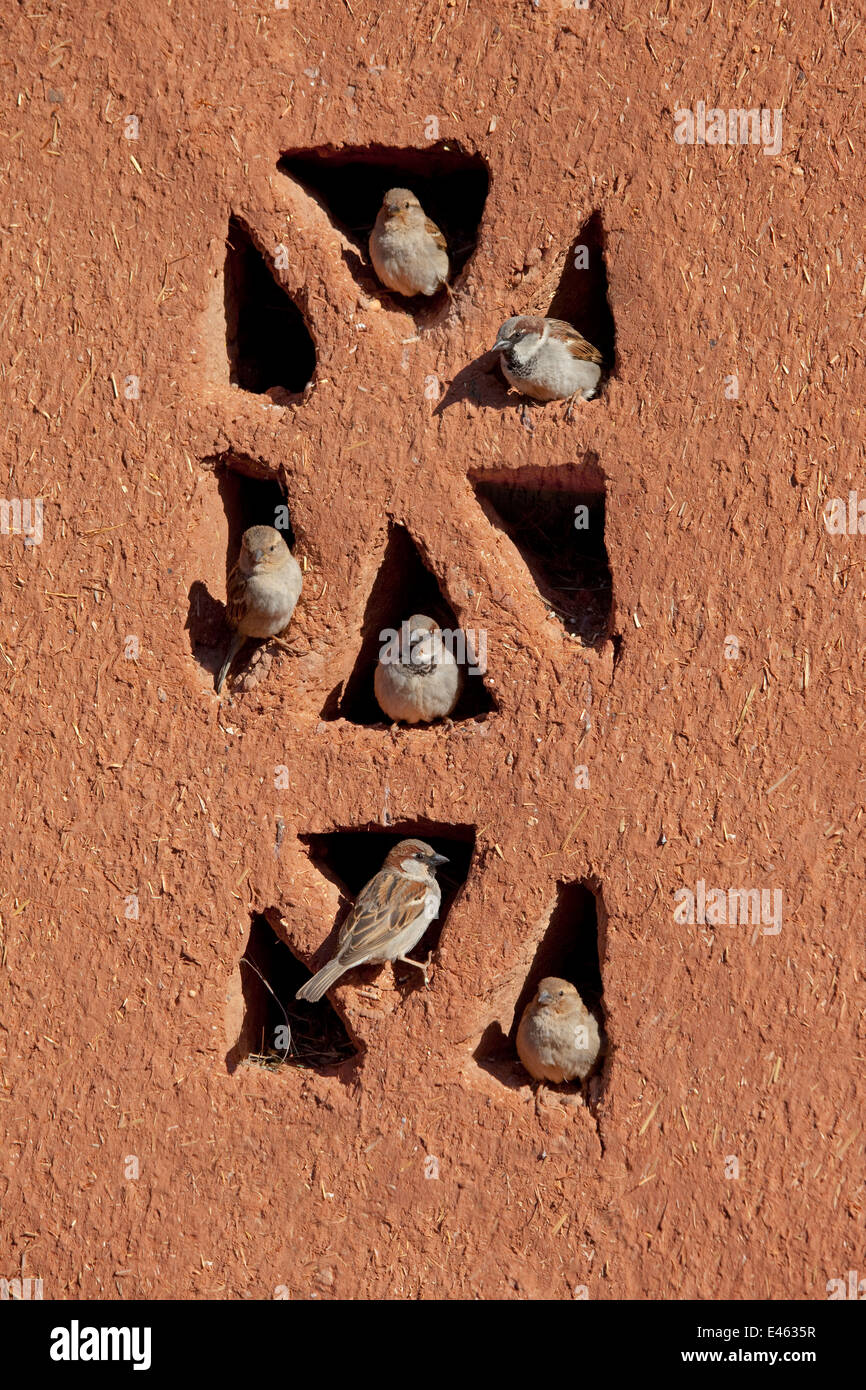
128,777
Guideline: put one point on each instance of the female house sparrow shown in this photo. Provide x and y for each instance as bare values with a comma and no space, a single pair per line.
423,681
391,914
558,1038
547,358
408,251
262,590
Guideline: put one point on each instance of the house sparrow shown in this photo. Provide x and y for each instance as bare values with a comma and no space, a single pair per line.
262,590
558,1038
408,251
391,914
547,359
421,681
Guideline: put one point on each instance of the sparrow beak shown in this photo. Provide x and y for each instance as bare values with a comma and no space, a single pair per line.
544,997
500,345
436,859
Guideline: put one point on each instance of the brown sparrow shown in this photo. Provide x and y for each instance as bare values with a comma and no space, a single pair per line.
262,590
421,680
408,251
558,1038
391,914
547,358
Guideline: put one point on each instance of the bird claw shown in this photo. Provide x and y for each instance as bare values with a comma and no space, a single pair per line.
423,966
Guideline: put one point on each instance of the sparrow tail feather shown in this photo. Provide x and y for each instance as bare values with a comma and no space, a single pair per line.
234,647
328,975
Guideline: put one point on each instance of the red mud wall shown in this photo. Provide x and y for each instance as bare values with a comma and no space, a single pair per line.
717,712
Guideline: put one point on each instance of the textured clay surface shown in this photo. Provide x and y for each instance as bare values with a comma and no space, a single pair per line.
705,724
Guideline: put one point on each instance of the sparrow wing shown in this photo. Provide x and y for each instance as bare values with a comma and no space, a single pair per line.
576,344
385,908
433,231
235,597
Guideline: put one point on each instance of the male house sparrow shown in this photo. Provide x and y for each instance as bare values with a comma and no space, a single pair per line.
422,681
408,251
558,1038
547,358
262,590
391,914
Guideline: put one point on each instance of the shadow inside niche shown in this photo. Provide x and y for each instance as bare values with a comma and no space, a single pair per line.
404,586
350,183
555,517
571,948
250,496
582,297
270,349
276,1030
350,858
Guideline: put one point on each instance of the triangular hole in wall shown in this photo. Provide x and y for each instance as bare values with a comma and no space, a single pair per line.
571,948
250,496
555,517
404,586
581,297
268,1026
350,858
350,183
269,346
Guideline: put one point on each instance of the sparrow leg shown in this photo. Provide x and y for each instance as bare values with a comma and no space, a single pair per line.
234,647
542,1101
526,420
576,395
281,642
422,965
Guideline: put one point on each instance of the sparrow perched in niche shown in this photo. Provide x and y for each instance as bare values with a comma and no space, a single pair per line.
422,680
547,359
391,914
558,1038
262,590
408,251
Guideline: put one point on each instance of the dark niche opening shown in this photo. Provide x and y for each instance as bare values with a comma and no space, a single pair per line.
555,517
350,183
350,858
404,586
572,948
269,345
277,1030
